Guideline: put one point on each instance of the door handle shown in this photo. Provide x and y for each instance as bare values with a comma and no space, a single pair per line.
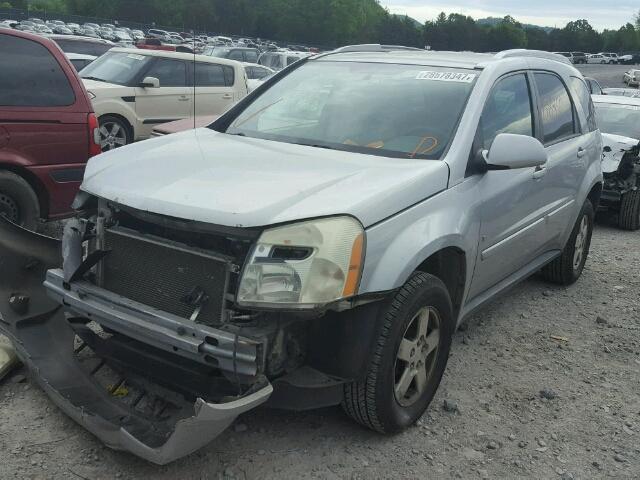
227,96
539,172
183,98
581,152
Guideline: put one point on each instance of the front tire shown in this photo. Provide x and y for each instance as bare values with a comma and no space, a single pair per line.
408,360
18,202
114,132
629,216
567,268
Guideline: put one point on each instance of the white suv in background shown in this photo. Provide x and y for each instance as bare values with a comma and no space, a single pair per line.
134,90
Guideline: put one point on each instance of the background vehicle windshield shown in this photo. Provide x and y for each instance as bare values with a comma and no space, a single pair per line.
116,67
619,119
408,111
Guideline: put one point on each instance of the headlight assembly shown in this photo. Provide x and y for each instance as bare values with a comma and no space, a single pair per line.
304,265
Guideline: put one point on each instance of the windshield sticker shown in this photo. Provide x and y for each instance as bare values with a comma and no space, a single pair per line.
446,76
135,56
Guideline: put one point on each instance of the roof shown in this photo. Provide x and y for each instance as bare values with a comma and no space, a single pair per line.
397,54
178,55
79,38
616,100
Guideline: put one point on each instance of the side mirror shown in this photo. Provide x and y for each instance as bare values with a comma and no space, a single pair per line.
150,82
510,151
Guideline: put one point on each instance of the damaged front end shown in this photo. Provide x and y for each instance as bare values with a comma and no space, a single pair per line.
155,382
621,169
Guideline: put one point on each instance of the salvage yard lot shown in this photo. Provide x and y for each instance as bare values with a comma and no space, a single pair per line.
578,345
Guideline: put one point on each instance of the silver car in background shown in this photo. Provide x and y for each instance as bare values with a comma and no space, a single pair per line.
318,244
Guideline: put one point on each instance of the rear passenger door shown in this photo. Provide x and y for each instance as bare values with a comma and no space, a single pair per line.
568,151
215,92
172,101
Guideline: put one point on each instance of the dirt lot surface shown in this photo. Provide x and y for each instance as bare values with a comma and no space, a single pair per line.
544,383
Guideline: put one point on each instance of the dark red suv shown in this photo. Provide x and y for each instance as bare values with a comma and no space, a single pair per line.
48,129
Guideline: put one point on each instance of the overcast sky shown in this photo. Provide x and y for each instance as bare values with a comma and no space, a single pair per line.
549,13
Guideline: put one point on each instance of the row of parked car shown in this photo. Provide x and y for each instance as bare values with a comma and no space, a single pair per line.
317,244
609,58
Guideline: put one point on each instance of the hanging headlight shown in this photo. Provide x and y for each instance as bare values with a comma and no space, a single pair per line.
304,265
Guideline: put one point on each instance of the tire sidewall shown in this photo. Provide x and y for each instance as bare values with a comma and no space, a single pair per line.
393,416
23,195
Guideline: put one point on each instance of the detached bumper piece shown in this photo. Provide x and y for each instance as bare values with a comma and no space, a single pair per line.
141,380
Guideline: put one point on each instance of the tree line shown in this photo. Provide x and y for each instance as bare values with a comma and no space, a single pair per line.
333,23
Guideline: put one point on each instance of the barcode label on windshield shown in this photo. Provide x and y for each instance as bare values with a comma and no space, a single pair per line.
446,76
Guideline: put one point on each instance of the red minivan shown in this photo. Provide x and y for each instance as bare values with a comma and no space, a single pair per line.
48,129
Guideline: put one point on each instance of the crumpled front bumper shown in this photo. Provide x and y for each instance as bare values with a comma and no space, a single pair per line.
44,339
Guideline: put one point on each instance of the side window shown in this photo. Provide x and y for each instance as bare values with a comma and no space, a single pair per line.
595,87
581,93
507,110
209,75
555,108
31,76
235,55
171,73
251,56
229,75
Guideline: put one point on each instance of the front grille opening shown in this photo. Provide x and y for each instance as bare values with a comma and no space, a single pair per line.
189,283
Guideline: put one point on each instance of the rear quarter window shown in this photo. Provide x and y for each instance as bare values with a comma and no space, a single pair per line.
31,76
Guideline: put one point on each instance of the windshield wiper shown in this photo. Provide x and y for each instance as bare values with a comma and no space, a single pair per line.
95,78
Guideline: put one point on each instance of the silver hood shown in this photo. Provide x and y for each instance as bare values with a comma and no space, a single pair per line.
619,145
229,180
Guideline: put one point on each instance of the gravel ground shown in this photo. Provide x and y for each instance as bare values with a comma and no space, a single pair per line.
543,383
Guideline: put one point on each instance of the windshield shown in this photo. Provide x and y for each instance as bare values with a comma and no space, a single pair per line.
407,111
116,67
619,119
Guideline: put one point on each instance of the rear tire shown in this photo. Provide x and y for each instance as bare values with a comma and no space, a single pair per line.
567,268
18,202
114,132
629,216
408,360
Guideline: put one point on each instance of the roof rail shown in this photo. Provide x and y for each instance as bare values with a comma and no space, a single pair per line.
373,47
522,52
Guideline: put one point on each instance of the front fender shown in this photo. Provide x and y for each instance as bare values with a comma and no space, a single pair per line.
398,245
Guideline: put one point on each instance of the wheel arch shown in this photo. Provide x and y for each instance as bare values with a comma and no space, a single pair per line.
34,182
449,265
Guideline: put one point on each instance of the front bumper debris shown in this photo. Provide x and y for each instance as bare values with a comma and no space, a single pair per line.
157,424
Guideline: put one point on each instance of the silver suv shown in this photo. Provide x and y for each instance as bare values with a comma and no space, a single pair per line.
316,245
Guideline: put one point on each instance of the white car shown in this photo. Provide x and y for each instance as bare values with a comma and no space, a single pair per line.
280,59
256,74
610,56
133,90
80,60
632,78
597,58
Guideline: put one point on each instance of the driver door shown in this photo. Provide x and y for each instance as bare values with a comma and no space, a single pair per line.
171,101
512,214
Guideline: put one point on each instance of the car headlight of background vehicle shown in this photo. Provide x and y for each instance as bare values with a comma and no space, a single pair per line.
304,265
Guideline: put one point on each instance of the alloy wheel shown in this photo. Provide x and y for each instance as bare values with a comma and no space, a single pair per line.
581,242
112,135
416,357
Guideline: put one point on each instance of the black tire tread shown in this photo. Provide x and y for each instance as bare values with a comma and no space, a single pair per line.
29,194
629,216
359,397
